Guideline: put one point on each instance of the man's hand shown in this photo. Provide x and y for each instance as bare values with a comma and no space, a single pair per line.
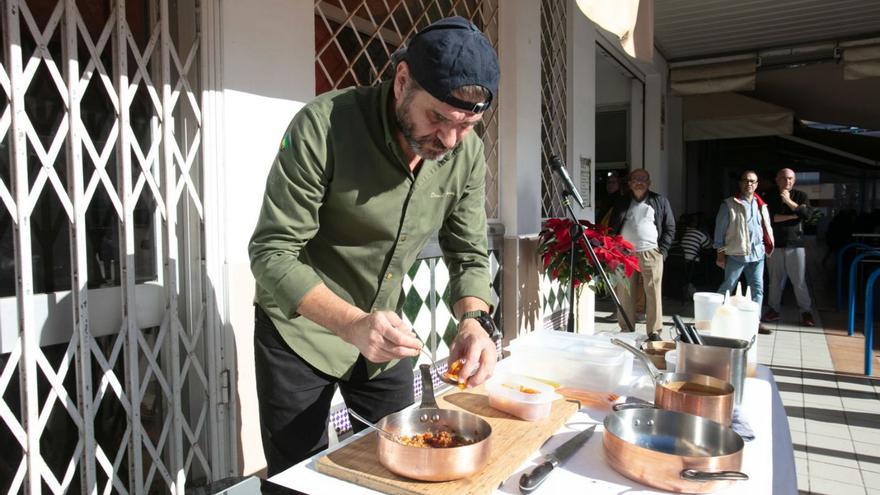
721,260
473,345
381,336
785,194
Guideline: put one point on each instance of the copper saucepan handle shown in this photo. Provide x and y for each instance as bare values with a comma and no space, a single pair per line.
633,405
704,476
428,400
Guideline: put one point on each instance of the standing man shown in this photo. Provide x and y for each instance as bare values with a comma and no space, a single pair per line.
644,218
789,208
743,236
364,177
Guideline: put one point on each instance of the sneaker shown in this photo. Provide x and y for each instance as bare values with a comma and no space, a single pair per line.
763,330
770,316
807,319
654,337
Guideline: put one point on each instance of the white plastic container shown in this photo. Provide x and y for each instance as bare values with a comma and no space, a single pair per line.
705,304
749,322
726,321
571,360
671,360
521,396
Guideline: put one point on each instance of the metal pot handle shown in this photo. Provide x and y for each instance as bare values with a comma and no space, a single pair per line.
428,400
752,342
703,476
623,406
645,360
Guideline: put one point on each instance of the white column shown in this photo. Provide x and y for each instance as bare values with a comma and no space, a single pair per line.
268,74
519,51
582,132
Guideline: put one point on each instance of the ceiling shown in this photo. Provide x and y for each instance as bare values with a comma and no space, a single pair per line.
688,29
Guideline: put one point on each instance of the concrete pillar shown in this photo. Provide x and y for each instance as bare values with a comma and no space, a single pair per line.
519,48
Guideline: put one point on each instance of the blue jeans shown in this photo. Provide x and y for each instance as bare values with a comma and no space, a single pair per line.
754,272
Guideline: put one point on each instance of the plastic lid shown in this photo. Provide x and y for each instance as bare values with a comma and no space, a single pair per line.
712,297
594,349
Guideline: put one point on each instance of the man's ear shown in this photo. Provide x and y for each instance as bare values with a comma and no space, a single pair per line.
401,79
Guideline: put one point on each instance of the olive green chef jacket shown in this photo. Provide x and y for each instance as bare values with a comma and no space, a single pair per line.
342,207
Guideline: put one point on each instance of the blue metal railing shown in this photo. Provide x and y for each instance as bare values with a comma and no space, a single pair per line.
840,270
851,329
869,321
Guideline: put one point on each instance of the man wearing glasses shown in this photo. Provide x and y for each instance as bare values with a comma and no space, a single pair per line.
743,238
645,219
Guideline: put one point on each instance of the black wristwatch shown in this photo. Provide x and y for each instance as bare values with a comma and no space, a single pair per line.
485,320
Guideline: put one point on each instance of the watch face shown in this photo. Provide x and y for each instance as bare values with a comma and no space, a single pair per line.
489,325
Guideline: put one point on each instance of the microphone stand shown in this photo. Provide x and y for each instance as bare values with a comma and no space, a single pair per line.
578,231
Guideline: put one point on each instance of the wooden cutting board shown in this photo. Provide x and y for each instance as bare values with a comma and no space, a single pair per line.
513,442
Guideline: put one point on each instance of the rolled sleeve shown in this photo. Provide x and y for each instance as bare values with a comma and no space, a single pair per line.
289,216
463,239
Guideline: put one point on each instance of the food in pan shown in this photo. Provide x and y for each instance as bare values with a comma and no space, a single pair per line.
691,388
438,440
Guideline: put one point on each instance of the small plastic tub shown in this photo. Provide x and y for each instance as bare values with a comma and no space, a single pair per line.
671,360
521,396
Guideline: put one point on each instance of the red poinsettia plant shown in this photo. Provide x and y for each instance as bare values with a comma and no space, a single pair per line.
616,255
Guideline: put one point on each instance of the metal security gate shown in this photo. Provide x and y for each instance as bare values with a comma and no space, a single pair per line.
110,355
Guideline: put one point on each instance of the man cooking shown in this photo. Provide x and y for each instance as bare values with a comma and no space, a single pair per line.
363,178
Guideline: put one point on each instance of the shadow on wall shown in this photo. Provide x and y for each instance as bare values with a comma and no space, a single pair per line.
524,288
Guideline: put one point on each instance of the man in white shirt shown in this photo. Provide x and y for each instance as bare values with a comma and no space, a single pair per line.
645,219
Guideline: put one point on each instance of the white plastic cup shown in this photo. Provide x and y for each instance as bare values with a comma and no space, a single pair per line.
705,304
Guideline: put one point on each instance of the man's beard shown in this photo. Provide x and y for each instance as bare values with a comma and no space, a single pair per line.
427,147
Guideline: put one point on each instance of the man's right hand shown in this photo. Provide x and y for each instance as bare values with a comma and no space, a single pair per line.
721,260
381,336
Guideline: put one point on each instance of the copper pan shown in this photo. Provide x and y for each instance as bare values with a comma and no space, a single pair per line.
691,393
433,464
673,451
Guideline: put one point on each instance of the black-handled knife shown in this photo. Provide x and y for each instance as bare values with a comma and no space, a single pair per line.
528,482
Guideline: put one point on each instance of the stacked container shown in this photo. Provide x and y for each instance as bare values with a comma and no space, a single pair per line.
581,361
705,304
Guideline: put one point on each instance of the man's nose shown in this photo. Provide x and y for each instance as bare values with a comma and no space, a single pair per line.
448,136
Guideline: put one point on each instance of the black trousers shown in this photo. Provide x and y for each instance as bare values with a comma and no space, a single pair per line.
294,397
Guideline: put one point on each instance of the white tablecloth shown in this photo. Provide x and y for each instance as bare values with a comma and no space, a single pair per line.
768,460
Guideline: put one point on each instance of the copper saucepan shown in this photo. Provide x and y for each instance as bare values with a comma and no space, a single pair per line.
691,393
672,451
429,463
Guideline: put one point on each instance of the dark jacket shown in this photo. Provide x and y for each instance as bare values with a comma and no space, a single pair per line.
789,233
664,220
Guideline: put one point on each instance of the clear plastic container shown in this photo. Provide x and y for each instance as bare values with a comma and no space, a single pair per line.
671,360
521,396
591,362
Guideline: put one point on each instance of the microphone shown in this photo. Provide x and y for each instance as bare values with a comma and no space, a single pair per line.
557,166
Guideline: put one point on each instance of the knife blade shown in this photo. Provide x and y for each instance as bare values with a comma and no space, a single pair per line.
528,482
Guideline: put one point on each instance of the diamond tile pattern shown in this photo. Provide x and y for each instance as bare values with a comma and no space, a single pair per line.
554,302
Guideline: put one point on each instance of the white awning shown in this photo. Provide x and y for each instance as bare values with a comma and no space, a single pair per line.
731,115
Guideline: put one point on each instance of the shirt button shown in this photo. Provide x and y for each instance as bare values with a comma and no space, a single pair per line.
389,276
403,238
